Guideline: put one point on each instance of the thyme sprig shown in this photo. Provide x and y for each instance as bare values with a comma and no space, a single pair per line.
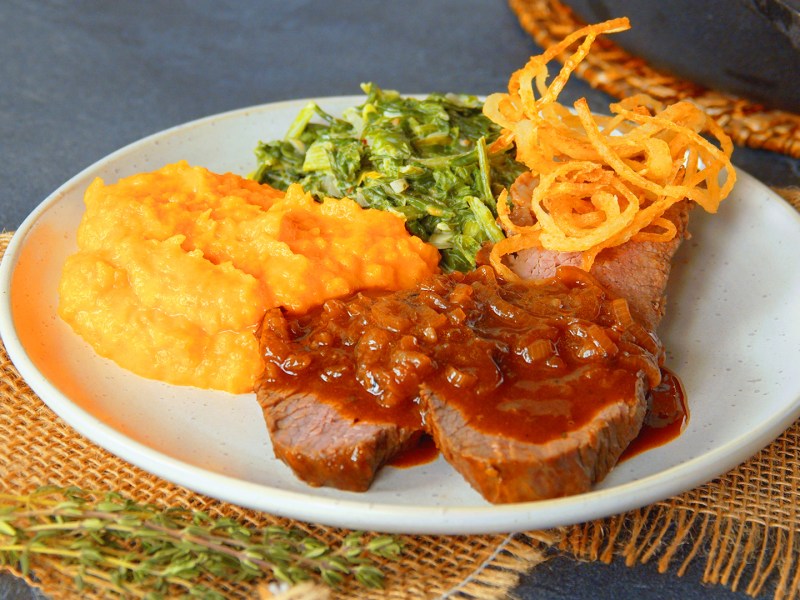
111,544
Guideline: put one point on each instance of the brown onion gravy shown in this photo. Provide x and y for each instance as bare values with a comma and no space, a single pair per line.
529,360
666,418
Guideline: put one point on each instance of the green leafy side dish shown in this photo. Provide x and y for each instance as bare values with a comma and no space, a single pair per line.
423,159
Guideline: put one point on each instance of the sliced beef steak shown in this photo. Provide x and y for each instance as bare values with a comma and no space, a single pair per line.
530,389
636,271
639,271
325,447
508,469
314,407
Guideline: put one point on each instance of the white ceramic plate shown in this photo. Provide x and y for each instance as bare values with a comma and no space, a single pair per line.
732,330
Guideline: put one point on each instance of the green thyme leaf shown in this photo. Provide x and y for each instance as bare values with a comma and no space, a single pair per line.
119,548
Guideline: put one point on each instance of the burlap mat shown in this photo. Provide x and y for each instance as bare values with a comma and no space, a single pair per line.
616,72
742,527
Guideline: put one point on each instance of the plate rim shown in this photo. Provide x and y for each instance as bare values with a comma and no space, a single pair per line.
384,517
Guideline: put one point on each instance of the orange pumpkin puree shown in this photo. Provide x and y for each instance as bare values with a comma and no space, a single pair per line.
177,267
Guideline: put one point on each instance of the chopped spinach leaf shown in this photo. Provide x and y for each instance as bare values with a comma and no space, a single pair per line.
423,159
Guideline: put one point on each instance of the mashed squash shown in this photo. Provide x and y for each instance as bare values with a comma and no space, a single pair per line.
176,268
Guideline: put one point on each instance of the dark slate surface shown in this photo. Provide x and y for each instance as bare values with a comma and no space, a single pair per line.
79,79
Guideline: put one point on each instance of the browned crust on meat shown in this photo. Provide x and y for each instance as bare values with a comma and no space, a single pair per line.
505,470
324,448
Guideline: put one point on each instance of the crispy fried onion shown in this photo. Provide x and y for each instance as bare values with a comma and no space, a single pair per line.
599,181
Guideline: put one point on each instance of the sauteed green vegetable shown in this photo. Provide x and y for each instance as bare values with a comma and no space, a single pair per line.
424,159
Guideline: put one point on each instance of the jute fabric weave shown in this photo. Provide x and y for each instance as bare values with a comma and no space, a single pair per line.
743,527
616,72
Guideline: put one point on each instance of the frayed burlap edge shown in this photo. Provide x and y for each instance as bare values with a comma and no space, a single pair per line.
618,73
741,528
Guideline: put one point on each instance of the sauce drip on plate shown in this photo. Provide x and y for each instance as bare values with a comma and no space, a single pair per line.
421,453
667,415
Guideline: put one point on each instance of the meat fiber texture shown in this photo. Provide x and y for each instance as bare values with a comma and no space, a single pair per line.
506,470
326,448
636,271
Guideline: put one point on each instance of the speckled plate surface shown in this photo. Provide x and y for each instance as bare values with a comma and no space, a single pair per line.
732,332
